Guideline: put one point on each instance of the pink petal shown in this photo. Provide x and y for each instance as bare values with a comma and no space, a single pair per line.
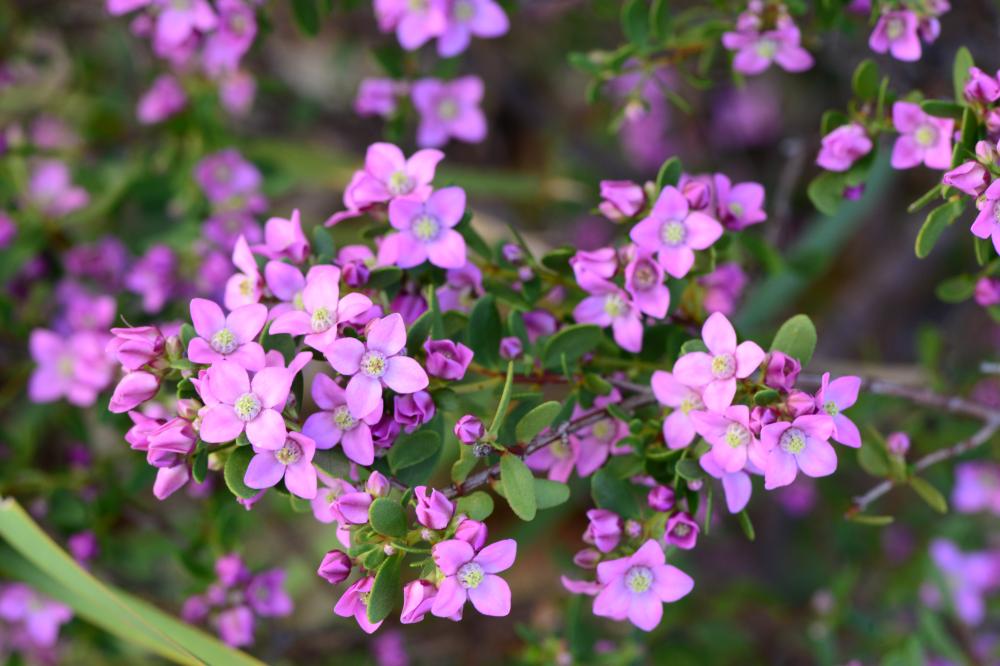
326,393
220,424
322,291
719,394
422,164
906,153
250,355
702,231
362,393
264,471
384,159
358,446
491,596
818,458
678,431
321,428
228,381
677,261
781,469
207,317
613,601
272,385
694,369
749,356
403,211
843,391
300,479
294,322
404,375
498,556
449,599
846,432
352,305
737,488
667,389
345,355
645,611
267,431
670,583
646,234
670,205
447,205
448,251
819,426
388,334
450,555
649,554
730,458
199,351
719,335
246,322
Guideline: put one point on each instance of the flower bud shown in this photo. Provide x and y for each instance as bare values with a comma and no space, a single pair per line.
800,403
782,371
605,529
447,359
335,567
898,443
987,291
681,531
473,532
411,410
511,348
621,199
469,429
137,346
660,498
512,253
970,177
587,558
134,389
378,485
434,510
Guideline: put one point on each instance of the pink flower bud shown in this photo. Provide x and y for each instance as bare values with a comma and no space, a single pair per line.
988,291
981,87
335,567
587,558
621,199
473,532
378,485
447,359
898,443
782,371
681,531
434,510
469,429
760,417
134,389
135,347
801,403
970,177
661,498
605,529
511,348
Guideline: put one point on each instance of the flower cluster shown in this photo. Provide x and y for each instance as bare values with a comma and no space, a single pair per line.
451,22
901,28
31,623
237,599
765,33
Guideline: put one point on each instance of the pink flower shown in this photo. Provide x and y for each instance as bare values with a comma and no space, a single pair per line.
661,498
164,99
896,32
135,388
739,205
31,616
678,429
594,267
434,510
244,287
482,18
292,462
604,530
137,346
376,363
469,429
335,567
322,309
472,576
977,487
681,531
425,231
335,425
254,406
227,338
988,291
923,138
802,444
970,177
225,46
644,282
414,23
378,97
637,586
75,367
781,371
981,87
719,369
449,109
558,458
729,434
735,485
621,199
51,189
472,531
354,603
987,223
283,239
447,359
755,51
843,147
674,232
610,306
833,398
177,21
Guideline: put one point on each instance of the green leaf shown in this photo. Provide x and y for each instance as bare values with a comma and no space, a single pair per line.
929,494
689,470
826,191
384,276
797,338
831,120
874,521
635,21
485,330
746,525
984,250
236,469
536,420
550,493
597,384
965,146
960,72
199,467
420,330
865,81
766,397
387,590
323,246
669,174
558,259
518,486
689,346
477,505
571,341
187,334
935,224
461,468
956,289
49,569
660,19
501,414
387,517
928,196
306,16
414,448
942,108
873,457
613,494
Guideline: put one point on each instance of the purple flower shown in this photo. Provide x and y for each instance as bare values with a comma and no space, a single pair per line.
418,598
843,147
988,291
472,531
661,498
678,429
165,98
415,23
637,586
604,530
681,531
923,138
447,359
987,222
425,231
896,32
153,277
225,176
970,177
723,288
977,487
469,429
621,199
740,205
137,346
378,97
785,448
594,267
177,21
981,87
237,91
292,462
673,231
224,47
376,363
413,409
434,510
283,239
511,348
322,309
39,617
449,109
834,397
719,369
227,338
267,596
354,603
472,576
236,626
644,282
254,406
75,367
482,18
729,434
898,443
755,51
735,485
244,287
967,579
51,189
388,175
135,388
335,425
781,371
609,305
335,567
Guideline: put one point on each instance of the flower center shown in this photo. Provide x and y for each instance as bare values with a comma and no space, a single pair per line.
766,48
66,366
737,435
363,597
830,407
321,320
426,228
639,579
615,306
342,418
247,406
644,277
672,233
470,575
894,28
691,402
463,11
736,209
246,287
559,449
399,183
996,212
603,430
373,363
926,135
297,302
224,342
723,366
290,453
792,441
447,109
681,530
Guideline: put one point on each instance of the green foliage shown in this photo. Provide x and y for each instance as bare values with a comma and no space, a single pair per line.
518,486
935,224
536,420
236,469
387,517
797,338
